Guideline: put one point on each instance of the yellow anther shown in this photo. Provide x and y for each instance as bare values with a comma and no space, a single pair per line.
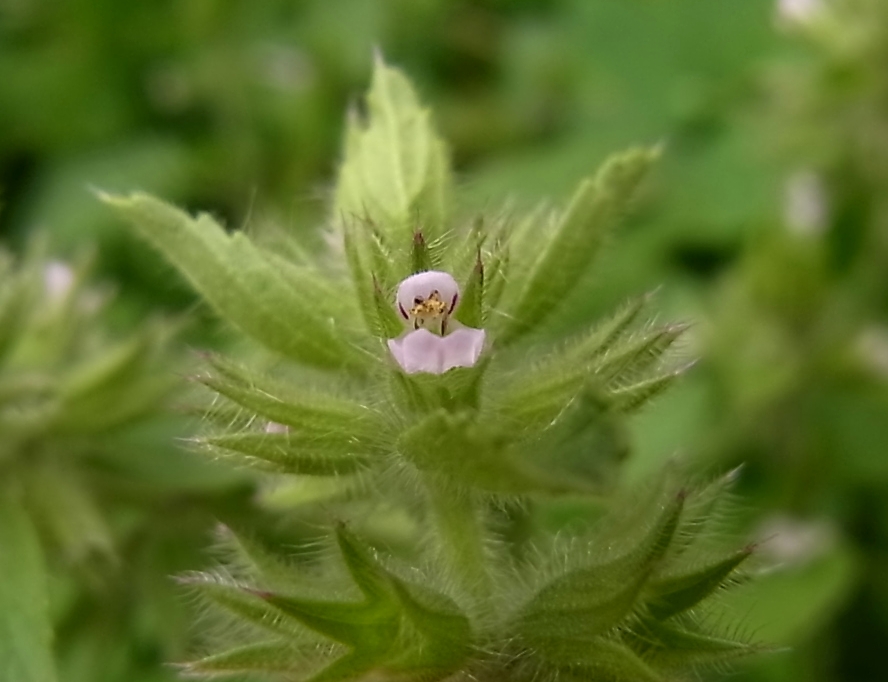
432,308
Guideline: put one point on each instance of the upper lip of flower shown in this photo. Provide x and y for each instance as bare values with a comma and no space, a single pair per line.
428,299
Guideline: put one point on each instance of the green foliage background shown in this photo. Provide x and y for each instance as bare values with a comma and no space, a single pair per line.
237,108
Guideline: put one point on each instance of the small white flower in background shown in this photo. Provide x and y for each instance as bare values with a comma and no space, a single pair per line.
58,278
434,342
805,205
275,427
798,11
872,348
786,540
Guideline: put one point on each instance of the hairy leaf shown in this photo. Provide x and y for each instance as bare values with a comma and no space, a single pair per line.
291,453
304,410
675,593
279,304
587,601
395,171
596,206
471,453
261,657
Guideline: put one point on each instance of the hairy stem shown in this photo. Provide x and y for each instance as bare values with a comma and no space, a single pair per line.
459,521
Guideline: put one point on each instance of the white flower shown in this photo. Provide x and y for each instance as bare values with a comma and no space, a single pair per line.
58,278
798,11
275,427
806,208
434,343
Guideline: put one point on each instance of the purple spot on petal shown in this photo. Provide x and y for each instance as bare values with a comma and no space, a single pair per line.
403,312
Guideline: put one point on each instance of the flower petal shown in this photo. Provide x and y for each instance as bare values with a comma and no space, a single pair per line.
417,351
419,287
423,351
461,348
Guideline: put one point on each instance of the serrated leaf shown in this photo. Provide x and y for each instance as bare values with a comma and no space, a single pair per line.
303,410
255,292
291,453
578,236
25,627
678,592
395,171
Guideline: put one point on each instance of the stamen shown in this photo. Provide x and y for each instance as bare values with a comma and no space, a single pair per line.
430,309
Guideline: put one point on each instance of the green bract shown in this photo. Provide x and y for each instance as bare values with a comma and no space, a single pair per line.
463,454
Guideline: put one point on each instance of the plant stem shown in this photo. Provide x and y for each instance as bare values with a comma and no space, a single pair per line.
461,536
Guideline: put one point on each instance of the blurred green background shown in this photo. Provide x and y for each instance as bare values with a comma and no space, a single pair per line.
766,226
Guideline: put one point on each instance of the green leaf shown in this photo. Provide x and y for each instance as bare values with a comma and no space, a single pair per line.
471,453
441,633
366,626
304,410
291,453
673,646
572,609
420,255
261,657
247,555
17,295
631,358
605,659
539,394
387,323
678,592
242,602
587,440
362,565
25,628
118,385
581,231
370,263
396,171
471,308
399,627
627,399
496,272
286,307
65,511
